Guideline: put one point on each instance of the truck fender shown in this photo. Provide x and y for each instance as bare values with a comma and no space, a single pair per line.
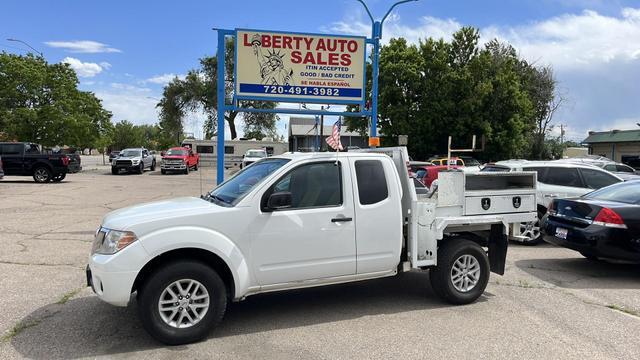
161,241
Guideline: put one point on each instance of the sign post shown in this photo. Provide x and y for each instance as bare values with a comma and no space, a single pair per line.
299,67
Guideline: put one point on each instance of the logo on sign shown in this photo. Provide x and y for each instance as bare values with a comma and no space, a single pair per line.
486,203
517,201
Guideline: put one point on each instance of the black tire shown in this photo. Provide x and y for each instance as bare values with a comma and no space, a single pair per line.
141,168
195,167
153,287
59,177
163,171
186,170
114,171
42,174
153,166
441,276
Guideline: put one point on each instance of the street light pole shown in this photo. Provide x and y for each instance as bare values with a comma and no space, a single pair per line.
31,47
376,35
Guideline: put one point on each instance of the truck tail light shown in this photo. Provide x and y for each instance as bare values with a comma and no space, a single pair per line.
66,160
609,218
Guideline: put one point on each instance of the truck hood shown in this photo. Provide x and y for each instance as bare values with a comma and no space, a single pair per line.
129,158
125,218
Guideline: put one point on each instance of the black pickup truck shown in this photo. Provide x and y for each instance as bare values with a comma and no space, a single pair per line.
26,159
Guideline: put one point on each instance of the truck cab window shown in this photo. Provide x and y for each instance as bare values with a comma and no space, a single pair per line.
313,185
372,184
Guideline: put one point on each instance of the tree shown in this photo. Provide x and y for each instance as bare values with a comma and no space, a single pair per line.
197,92
40,102
438,89
125,135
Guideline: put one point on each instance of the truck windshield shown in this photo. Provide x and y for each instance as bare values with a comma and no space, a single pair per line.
130,153
232,190
176,152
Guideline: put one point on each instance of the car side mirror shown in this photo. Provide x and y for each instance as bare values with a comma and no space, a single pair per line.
279,200
162,153
243,156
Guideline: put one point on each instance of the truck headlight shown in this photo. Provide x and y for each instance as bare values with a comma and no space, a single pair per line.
109,242
135,161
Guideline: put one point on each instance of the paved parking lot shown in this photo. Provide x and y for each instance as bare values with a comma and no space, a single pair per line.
551,303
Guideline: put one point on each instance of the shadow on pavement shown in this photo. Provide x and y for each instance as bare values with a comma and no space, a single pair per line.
581,273
87,327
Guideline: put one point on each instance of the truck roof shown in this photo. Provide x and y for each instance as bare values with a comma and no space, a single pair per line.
326,155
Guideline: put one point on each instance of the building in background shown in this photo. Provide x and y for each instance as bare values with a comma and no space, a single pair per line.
304,135
234,150
618,145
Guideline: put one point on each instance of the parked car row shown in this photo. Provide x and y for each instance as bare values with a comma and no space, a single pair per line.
137,160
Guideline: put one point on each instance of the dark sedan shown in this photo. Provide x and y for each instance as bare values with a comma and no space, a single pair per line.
602,224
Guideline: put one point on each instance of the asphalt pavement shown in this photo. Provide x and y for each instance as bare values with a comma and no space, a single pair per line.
551,303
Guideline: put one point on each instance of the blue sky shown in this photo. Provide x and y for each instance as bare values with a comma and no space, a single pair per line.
125,51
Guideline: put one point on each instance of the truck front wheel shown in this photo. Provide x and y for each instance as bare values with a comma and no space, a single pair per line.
181,302
462,273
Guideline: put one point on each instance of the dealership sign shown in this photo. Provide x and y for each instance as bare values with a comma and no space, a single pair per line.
299,67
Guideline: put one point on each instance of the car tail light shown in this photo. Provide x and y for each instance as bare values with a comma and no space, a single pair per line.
65,160
609,218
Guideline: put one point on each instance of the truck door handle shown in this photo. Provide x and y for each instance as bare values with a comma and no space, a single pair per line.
551,195
341,219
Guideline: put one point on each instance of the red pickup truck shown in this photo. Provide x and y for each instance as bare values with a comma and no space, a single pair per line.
180,159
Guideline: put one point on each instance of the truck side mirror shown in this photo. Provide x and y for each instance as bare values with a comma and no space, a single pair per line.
279,200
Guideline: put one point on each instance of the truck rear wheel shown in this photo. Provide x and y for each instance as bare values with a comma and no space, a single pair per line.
59,177
182,302
462,273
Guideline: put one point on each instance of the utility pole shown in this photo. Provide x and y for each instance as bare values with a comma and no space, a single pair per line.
562,134
376,35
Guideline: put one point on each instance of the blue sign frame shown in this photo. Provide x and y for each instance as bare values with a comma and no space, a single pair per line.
224,107
376,35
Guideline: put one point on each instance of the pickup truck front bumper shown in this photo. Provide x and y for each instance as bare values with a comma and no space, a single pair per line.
111,277
171,167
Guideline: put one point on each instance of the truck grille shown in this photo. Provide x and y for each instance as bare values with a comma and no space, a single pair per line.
173,162
123,162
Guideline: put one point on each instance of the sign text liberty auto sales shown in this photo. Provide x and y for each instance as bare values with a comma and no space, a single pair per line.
299,66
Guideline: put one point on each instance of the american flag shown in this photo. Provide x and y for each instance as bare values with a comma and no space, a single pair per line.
334,139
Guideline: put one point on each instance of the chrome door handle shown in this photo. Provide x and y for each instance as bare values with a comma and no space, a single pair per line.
341,219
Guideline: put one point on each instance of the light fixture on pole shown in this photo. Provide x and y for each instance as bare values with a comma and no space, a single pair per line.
376,35
31,47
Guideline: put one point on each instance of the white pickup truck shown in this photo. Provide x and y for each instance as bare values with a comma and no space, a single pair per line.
300,220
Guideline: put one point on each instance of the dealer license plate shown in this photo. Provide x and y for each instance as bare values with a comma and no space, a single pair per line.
561,233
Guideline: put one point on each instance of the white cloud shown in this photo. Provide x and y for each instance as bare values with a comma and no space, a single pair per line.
163,79
129,102
86,69
570,41
83,46
393,28
565,41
